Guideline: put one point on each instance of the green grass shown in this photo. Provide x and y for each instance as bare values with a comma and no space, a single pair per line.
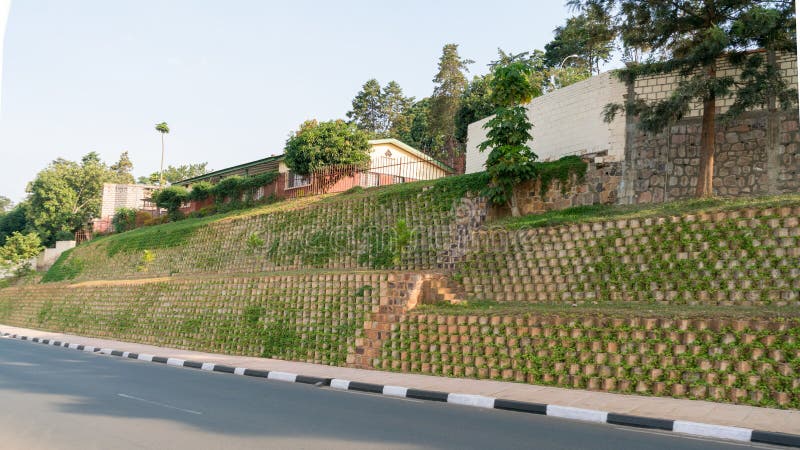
595,213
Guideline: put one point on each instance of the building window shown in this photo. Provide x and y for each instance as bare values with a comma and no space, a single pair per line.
398,179
369,179
294,180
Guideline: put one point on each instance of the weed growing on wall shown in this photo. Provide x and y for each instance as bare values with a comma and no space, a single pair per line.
66,267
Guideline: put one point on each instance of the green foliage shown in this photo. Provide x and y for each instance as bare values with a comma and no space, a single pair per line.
124,220
511,160
254,242
450,83
15,220
475,105
237,189
18,250
316,145
121,170
381,111
5,204
589,35
66,195
171,198
176,174
66,267
201,191
146,259
160,236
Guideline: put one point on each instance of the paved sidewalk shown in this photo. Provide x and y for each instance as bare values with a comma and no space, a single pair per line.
767,419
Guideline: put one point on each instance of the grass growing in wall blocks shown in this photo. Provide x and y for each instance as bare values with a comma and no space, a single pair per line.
752,360
302,317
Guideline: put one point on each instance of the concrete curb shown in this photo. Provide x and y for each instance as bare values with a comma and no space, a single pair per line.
479,401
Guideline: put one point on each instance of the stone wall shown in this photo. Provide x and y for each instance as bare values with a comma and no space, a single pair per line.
598,186
665,166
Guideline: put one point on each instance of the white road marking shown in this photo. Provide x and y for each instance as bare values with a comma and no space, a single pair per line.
163,405
340,384
395,391
718,431
471,400
568,412
239,371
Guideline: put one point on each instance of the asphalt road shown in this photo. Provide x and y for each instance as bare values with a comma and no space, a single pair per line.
56,398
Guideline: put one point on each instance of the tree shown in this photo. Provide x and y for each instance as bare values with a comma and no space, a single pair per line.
5,204
476,104
419,134
695,35
15,220
122,170
380,111
18,250
367,109
394,107
174,174
589,35
171,198
510,161
450,84
319,144
66,195
162,128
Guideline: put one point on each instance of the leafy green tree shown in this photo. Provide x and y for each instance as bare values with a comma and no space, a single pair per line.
589,35
18,250
419,134
124,220
695,35
171,198
510,161
66,195
476,104
175,174
320,144
450,82
162,128
5,204
15,220
122,170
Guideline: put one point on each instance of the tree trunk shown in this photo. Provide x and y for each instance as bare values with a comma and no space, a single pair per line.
161,173
705,177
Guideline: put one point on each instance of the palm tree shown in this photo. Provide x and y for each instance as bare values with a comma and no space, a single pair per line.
162,128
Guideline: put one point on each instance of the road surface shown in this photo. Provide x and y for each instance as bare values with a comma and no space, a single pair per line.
56,398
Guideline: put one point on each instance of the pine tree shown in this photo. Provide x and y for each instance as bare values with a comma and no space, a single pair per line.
367,109
693,36
450,84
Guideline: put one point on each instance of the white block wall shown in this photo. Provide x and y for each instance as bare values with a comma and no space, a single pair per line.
568,121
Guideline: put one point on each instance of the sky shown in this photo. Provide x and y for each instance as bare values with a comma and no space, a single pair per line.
232,78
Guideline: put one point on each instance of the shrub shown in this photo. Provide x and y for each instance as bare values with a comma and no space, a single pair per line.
64,235
172,198
124,220
201,191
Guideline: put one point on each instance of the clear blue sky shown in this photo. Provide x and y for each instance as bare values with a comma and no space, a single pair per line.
232,78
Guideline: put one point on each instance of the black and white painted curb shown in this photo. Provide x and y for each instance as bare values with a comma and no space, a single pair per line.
566,412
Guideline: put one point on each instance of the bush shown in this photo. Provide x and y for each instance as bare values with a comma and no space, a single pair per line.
143,218
201,191
124,220
64,236
171,198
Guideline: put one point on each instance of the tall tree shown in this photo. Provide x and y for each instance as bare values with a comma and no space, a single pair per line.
174,174
122,169
15,220
476,104
18,250
66,195
5,204
589,35
162,128
367,112
694,35
510,161
394,106
419,134
380,111
451,82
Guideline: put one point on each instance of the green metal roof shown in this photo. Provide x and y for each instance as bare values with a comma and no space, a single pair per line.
221,172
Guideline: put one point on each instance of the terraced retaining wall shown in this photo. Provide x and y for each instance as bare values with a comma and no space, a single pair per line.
313,318
419,231
742,361
746,257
